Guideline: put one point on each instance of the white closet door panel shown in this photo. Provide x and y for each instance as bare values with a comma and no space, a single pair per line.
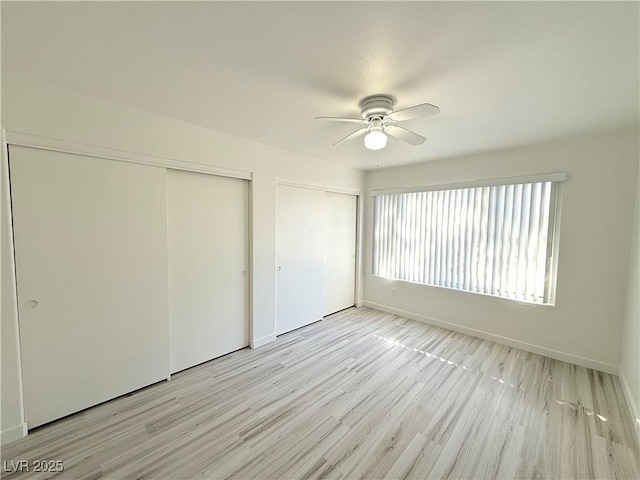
339,252
300,238
90,238
208,245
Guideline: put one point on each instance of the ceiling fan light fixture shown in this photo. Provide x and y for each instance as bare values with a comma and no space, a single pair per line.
375,140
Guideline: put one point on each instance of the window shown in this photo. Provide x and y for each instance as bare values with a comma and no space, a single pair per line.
495,237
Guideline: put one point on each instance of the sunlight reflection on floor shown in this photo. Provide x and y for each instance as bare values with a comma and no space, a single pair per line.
573,406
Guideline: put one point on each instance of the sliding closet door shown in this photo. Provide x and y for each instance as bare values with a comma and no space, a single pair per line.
208,280
339,252
300,238
90,246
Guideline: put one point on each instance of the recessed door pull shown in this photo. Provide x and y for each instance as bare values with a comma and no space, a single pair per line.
31,304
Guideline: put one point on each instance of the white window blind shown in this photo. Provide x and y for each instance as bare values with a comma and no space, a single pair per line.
496,240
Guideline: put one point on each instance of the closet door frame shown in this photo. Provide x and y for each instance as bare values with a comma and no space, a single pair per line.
62,146
294,182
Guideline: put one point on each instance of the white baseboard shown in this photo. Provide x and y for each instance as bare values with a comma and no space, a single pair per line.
14,433
631,403
258,342
547,352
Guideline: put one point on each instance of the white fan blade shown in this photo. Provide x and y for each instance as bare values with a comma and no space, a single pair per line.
353,135
404,134
342,119
416,111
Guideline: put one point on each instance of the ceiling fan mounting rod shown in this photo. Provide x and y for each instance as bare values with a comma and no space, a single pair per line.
376,124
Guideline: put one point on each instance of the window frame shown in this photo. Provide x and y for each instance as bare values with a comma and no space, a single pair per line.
553,233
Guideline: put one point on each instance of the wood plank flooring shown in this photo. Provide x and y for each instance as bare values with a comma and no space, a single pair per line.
362,394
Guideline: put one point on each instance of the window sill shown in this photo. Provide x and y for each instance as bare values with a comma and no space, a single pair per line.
524,303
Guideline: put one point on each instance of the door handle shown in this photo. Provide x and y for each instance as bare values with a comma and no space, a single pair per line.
279,268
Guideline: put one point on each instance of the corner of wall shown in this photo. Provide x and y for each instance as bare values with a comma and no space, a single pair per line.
259,342
631,403
14,433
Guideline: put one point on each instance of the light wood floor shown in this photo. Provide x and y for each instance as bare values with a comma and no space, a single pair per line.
362,394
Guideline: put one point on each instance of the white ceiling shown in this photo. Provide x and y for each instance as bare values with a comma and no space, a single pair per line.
503,74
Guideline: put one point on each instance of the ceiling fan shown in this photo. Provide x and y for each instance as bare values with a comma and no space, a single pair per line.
380,120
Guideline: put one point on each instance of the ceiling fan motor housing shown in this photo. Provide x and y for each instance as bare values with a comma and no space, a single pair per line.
376,106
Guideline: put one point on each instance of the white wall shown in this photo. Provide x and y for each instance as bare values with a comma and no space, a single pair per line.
39,109
630,361
585,325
